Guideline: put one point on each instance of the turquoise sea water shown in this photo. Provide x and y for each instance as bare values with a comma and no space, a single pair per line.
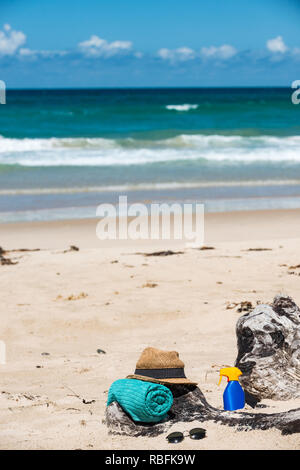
63,152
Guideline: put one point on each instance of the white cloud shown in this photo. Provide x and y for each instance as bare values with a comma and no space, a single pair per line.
10,40
277,45
222,52
185,53
164,53
25,52
181,54
97,47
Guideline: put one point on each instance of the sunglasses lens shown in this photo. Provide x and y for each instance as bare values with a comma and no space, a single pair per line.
175,437
197,433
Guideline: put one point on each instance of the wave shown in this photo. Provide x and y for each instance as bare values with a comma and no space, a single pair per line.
181,107
109,152
147,186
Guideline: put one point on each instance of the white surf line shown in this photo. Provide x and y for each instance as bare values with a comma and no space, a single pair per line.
146,186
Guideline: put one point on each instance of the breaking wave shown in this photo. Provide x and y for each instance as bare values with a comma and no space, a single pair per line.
109,152
181,107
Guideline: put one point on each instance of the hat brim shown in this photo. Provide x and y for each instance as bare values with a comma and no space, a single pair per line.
162,381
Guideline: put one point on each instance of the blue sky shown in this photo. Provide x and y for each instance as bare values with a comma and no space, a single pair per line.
94,43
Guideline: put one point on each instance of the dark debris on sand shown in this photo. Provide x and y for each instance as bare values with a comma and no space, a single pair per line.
243,306
258,249
4,261
292,270
72,248
162,253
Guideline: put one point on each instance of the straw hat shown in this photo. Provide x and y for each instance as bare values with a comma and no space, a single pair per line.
162,367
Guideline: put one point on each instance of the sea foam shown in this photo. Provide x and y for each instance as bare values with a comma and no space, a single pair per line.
109,152
181,107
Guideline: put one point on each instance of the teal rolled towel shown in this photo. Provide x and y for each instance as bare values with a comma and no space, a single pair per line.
146,402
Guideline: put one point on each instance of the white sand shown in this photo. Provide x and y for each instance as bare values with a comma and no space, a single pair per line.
186,311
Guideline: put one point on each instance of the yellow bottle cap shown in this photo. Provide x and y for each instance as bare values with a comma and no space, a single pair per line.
232,373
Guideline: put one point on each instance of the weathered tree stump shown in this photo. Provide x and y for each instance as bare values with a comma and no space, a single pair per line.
269,357
269,351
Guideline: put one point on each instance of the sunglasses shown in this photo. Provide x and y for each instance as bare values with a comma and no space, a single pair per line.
195,433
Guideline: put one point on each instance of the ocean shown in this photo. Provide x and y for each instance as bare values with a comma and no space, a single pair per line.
63,152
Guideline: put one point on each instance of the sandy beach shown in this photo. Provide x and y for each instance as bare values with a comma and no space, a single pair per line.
60,305
149,227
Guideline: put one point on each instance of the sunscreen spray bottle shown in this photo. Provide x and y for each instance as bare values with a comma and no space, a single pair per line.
234,396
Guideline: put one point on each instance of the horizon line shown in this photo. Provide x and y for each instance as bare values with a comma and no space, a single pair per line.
151,87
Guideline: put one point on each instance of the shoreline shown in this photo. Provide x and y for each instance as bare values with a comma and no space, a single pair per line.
73,206
219,227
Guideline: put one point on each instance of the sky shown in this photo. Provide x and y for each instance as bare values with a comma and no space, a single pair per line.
118,43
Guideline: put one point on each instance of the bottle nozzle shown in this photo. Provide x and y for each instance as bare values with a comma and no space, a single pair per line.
232,373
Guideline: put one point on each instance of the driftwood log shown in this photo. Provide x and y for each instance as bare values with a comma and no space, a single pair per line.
189,405
269,351
269,357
